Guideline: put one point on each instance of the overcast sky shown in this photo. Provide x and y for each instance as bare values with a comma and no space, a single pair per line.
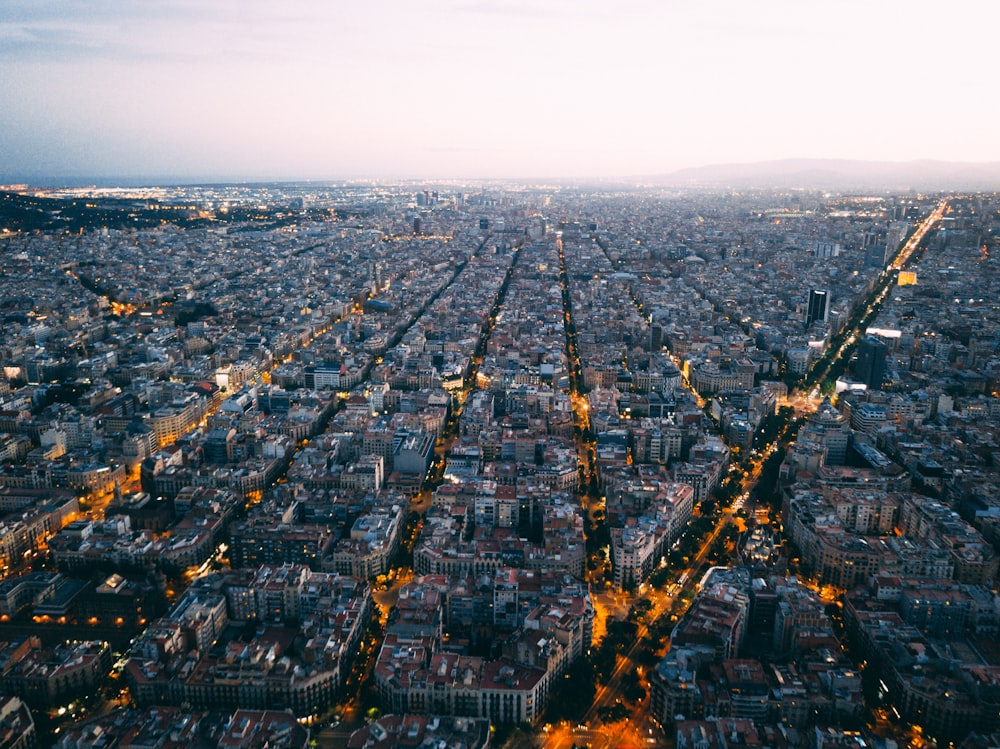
326,89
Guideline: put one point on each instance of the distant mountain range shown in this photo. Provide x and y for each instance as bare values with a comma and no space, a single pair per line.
837,174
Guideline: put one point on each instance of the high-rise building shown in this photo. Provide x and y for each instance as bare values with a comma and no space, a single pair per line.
879,248
656,337
818,306
877,255
870,365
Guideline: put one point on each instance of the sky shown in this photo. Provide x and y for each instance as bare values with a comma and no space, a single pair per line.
334,89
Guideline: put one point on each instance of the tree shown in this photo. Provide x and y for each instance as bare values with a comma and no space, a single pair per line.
614,713
632,689
572,695
639,609
646,655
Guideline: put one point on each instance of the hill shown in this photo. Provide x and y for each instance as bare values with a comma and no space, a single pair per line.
837,174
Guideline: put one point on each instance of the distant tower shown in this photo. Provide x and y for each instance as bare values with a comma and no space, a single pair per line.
655,337
877,256
870,365
878,250
818,306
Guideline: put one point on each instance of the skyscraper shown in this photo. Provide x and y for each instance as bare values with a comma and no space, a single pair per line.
869,367
877,256
818,306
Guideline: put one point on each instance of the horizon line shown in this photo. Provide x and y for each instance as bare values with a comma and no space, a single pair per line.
50,181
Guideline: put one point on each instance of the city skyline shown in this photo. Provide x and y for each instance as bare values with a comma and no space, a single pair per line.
525,465
189,91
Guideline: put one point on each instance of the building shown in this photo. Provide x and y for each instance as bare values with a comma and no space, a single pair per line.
17,729
637,548
817,306
166,726
372,544
828,427
718,619
870,365
42,676
179,659
412,730
673,689
259,541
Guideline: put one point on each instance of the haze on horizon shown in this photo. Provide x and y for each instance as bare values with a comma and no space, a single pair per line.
329,89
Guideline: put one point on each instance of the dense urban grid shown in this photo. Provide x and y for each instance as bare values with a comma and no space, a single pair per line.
441,465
